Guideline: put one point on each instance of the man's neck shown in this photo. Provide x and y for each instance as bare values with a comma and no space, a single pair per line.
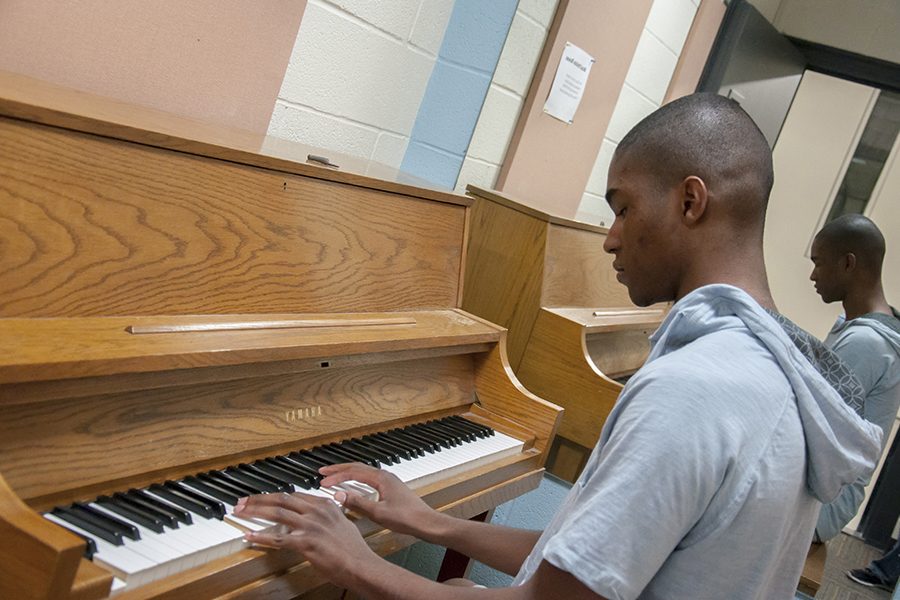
865,302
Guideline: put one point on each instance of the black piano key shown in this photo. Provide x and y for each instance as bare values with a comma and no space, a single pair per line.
283,473
325,456
352,455
478,433
131,513
416,446
405,451
437,437
216,508
305,458
463,422
176,497
90,547
250,481
382,457
239,486
67,515
282,484
102,519
426,443
345,455
410,431
452,436
210,489
465,434
340,455
293,462
166,518
145,499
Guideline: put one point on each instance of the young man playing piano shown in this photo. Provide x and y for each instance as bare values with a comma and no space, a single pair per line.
708,475
847,256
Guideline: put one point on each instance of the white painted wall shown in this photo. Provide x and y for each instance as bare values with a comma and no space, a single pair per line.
645,87
506,94
357,75
810,158
867,27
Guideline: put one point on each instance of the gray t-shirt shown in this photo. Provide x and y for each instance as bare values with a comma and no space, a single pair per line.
699,487
870,345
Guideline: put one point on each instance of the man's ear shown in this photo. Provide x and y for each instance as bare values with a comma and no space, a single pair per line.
849,262
694,199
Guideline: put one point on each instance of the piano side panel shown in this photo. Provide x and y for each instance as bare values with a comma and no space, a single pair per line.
578,272
500,392
58,451
619,353
40,560
92,226
504,264
557,367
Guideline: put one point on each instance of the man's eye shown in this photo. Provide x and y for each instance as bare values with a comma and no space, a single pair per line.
621,212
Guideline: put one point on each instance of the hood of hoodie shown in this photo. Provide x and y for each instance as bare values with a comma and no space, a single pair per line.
886,326
840,445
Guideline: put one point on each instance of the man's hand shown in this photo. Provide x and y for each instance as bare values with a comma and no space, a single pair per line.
316,528
398,508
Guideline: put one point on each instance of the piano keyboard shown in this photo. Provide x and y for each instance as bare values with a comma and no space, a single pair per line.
143,535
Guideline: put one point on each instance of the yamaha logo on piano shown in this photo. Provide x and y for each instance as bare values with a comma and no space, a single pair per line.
303,414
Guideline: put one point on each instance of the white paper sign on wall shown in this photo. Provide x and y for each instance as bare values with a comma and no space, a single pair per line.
568,84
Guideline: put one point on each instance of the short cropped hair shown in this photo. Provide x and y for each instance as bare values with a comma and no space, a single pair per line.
711,137
857,234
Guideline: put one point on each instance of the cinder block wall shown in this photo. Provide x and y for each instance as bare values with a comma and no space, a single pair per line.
506,94
645,87
357,75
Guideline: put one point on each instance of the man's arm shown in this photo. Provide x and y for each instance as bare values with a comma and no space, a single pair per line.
317,529
401,510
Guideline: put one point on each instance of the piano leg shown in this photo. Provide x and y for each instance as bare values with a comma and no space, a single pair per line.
455,564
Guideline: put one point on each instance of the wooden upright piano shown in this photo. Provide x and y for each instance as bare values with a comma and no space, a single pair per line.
573,332
186,313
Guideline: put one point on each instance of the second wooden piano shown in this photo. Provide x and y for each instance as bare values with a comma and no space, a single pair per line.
573,332
188,318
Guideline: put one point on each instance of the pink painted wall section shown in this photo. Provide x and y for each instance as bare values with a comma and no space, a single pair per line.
218,61
696,49
549,162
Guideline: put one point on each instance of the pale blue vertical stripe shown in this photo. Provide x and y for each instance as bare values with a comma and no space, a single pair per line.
455,93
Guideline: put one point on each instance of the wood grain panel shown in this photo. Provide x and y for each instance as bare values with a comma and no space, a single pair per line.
94,227
41,102
578,272
504,263
114,439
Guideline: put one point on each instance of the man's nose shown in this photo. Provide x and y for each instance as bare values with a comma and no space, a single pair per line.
611,243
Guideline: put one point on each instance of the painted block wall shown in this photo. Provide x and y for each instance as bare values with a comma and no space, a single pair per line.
506,94
357,75
473,40
645,87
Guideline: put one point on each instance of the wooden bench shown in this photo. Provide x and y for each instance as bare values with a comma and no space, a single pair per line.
813,570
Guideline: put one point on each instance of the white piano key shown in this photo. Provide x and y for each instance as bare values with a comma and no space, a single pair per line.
124,562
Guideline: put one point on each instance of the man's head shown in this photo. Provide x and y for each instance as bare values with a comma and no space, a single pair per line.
846,253
689,186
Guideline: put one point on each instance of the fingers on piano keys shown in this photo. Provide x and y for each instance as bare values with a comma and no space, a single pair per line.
142,535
